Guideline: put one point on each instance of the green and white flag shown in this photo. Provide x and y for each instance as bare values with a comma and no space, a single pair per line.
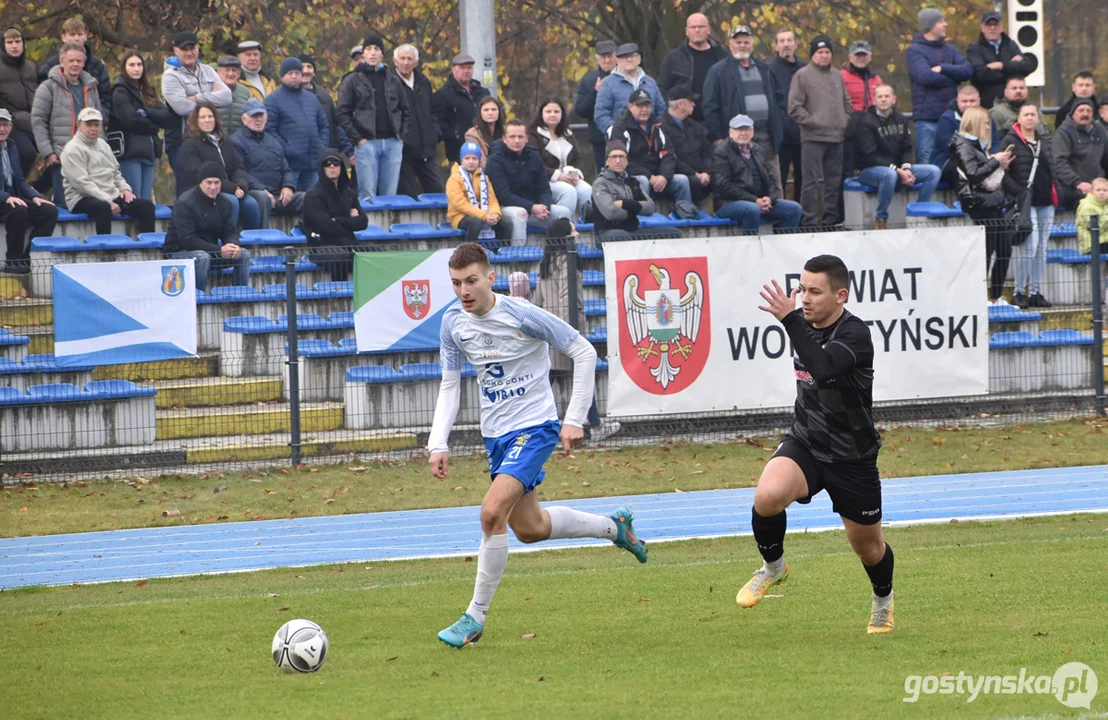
399,299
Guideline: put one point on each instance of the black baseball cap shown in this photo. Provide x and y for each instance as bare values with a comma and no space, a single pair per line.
640,97
681,92
185,38
990,16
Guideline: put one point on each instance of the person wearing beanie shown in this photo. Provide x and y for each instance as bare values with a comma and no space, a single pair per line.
1080,154
202,228
373,111
472,204
297,120
249,53
935,67
820,106
18,82
332,214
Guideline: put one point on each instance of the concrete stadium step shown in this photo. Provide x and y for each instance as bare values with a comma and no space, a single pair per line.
209,391
13,286
246,420
1066,318
201,366
28,312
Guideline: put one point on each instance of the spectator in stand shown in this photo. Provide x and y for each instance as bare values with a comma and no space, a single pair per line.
936,68
139,116
650,158
185,82
883,154
18,82
1102,112
355,57
549,133
741,183
230,71
488,126
375,115
297,119
949,123
627,78
256,81
688,140
454,105
332,214
308,82
93,183
419,173
520,181
820,106
74,32
21,207
783,67
203,229
688,64
59,99
619,201
1030,172
473,206
1005,111
996,58
1084,88
1080,150
207,142
265,159
1095,203
860,81
744,85
979,190
519,286
585,104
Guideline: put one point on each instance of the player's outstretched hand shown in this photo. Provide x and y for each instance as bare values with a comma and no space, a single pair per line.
571,436
778,303
440,464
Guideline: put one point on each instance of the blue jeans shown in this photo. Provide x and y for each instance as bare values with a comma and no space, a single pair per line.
1032,254
378,164
139,174
205,262
248,206
785,215
925,140
887,181
679,187
305,179
572,196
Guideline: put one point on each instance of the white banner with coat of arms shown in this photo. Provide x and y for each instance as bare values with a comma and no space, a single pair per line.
685,333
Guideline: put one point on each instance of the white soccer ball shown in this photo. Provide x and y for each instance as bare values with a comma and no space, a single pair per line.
300,646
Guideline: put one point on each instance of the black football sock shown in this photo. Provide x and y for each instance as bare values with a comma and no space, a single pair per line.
881,574
769,533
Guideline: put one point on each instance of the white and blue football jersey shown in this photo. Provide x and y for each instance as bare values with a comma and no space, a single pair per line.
509,346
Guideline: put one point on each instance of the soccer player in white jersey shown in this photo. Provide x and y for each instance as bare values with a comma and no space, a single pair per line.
509,342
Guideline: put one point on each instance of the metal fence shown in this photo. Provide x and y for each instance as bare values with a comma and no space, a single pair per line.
278,378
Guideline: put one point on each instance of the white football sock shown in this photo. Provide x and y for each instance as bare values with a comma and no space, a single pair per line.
492,558
569,523
880,603
776,566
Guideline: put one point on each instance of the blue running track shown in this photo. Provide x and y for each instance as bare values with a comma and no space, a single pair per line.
234,547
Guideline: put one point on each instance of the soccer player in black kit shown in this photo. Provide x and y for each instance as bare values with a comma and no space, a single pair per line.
832,443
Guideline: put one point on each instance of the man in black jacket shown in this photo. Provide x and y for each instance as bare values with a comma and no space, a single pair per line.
1084,88
689,141
883,152
689,62
21,207
375,114
995,58
742,184
521,184
74,31
650,157
783,67
454,105
585,104
202,229
418,172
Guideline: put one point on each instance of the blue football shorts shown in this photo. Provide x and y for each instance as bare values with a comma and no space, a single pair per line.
522,453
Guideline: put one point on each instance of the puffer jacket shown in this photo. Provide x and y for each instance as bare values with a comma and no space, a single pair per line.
18,82
972,167
648,153
90,170
615,92
93,66
195,151
53,119
231,115
297,120
1019,171
327,206
860,85
357,106
140,130
731,176
263,157
610,187
459,205
933,91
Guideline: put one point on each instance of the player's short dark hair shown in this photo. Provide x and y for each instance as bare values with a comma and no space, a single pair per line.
831,266
468,254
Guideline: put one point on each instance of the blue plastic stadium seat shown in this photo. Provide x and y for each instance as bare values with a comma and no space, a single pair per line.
522,253
468,370
117,389
417,231
372,374
151,240
9,366
331,289
6,338
852,185
304,321
1011,313
598,335
705,220
56,393
501,282
317,349
660,220
1064,337
267,263
341,319
435,200
163,212
583,227
236,293
590,278
395,202
267,237
421,371
12,396
373,233
602,364
250,325
279,291
932,210
446,226
58,244
589,252
1011,340
1066,229
47,363
66,216
110,242
596,307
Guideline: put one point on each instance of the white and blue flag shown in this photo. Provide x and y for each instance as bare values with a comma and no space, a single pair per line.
112,313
